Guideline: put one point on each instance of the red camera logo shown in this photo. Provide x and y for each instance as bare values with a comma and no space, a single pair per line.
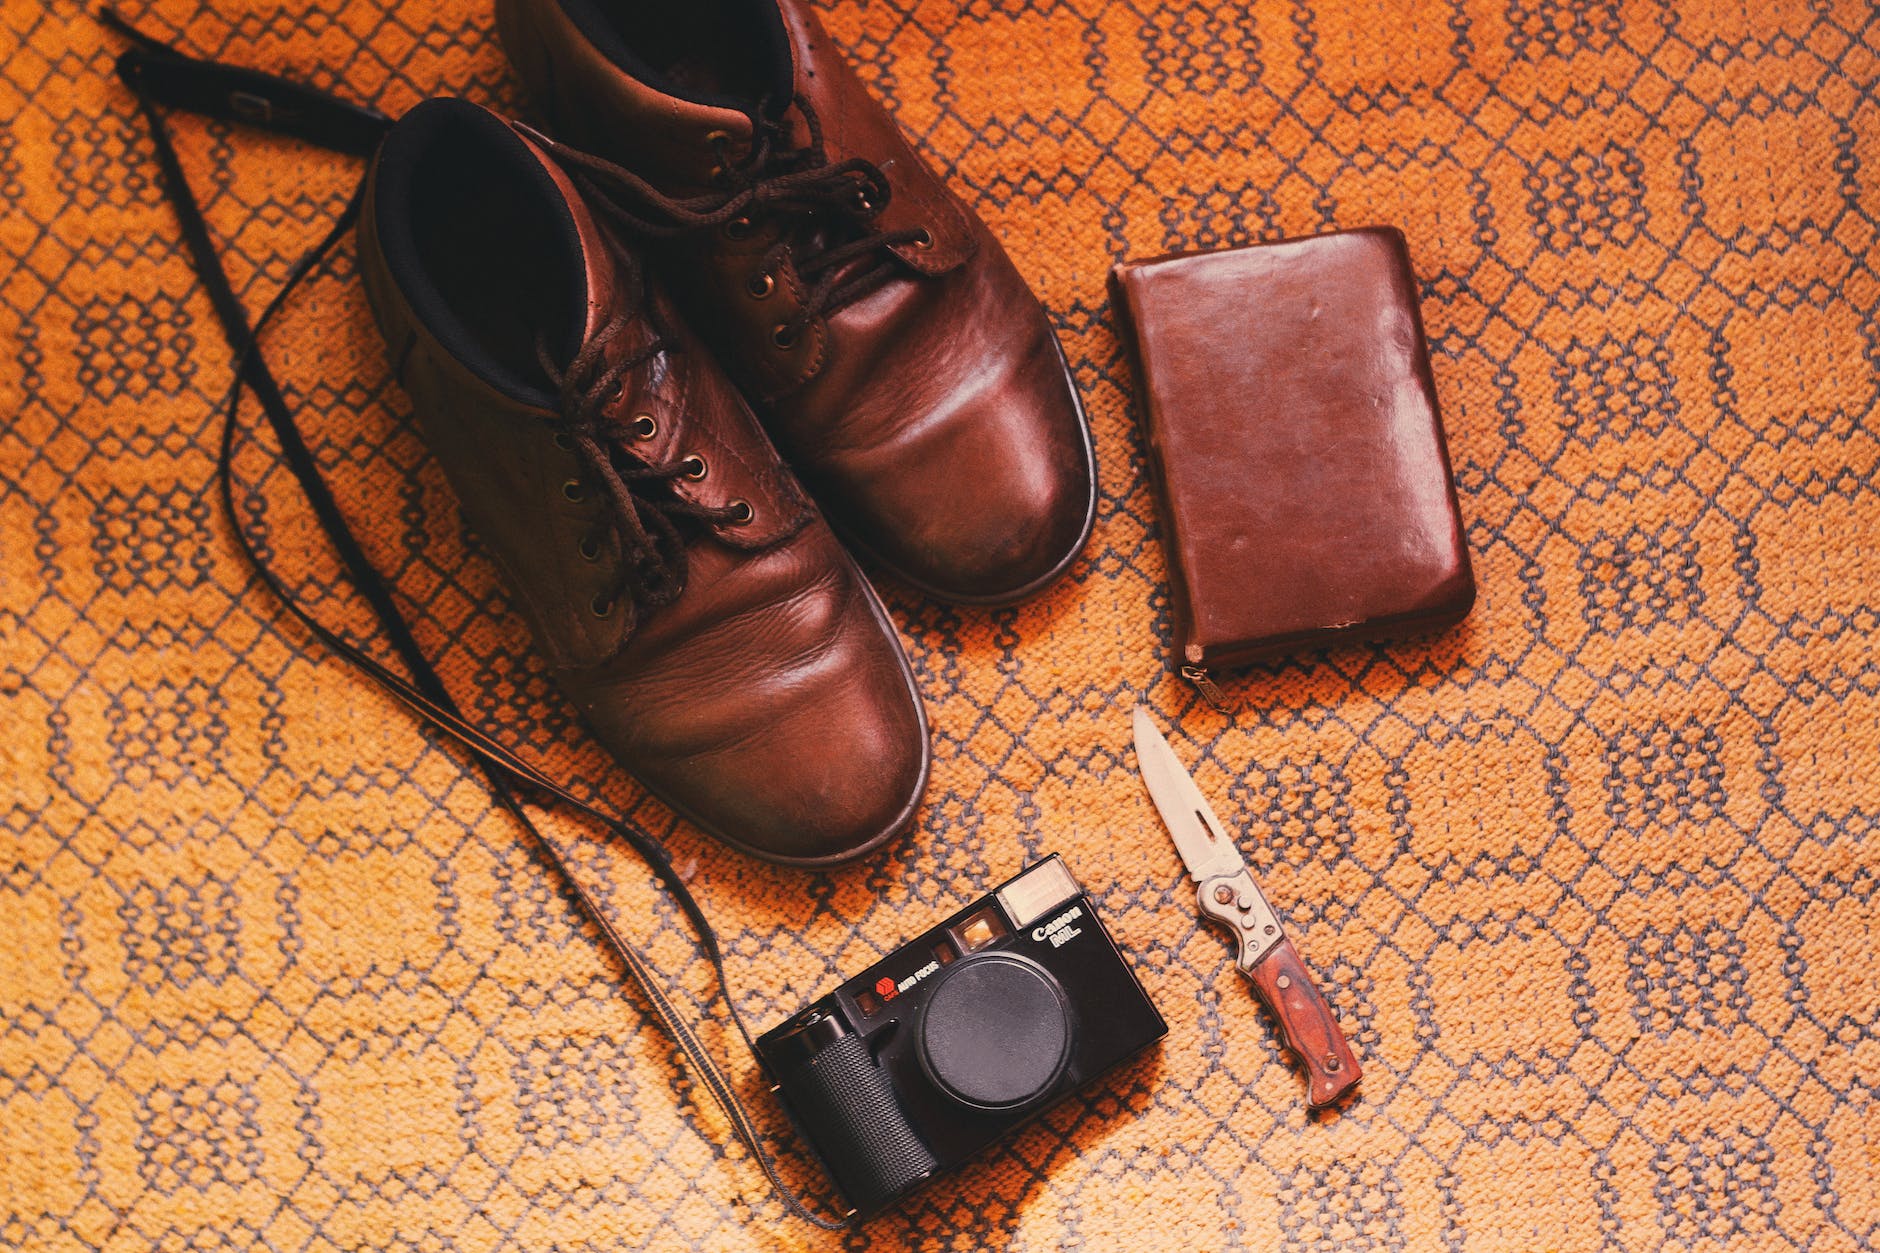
885,986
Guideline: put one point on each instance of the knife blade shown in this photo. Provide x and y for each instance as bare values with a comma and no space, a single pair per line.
1198,834
1227,896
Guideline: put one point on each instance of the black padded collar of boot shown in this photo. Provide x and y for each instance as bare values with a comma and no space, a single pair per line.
441,165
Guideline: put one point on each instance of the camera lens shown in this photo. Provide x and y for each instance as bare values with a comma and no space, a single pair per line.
995,1033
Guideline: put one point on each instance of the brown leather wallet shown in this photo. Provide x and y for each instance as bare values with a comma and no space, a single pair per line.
1294,440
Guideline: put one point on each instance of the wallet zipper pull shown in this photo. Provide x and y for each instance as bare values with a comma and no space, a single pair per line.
1210,690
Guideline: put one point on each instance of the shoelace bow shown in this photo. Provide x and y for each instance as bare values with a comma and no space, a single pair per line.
643,511
835,203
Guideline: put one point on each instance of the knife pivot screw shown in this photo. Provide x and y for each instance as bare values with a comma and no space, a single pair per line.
1270,928
1333,1064
1284,981
1224,895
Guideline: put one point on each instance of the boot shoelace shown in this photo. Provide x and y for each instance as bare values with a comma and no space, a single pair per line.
644,512
160,77
830,210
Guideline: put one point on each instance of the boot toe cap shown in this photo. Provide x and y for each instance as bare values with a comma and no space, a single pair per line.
846,784
1020,520
986,497
796,736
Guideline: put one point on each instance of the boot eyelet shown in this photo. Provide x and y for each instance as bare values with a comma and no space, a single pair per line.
761,285
862,203
924,240
590,548
600,606
694,466
742,513
645,426
738,228
784,336
573,491
718,142
564,441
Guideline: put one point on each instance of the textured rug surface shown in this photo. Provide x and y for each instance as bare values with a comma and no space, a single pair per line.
1592,879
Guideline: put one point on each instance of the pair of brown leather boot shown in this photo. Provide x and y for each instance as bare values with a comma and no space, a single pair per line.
584,330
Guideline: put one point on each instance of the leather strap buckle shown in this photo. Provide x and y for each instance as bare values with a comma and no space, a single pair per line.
251,107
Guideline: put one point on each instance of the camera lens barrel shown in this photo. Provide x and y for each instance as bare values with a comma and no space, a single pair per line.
843,1100
995,1033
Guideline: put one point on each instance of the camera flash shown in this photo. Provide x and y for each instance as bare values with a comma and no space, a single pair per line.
1032,895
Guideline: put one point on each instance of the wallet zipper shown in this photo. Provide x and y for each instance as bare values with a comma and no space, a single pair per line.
1210,690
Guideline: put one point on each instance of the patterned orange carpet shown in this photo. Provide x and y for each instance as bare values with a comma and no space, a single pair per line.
1593,878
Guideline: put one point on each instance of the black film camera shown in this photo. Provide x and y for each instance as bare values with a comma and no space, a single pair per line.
959,1036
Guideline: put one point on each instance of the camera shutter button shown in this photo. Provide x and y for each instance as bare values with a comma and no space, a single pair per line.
995,1032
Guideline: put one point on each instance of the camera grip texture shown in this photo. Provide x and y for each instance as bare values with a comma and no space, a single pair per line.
842,1099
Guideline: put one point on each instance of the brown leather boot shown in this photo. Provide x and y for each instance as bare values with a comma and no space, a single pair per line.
695,606
894,354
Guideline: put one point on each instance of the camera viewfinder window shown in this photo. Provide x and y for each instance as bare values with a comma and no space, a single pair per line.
978,931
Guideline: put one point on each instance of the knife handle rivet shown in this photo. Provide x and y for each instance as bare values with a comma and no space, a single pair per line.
1224,894
1333,1064
1270,928
1284,981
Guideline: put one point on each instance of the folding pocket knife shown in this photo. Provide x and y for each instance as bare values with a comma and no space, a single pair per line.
1228,897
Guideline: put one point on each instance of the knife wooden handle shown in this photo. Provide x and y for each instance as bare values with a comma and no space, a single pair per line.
1311,1032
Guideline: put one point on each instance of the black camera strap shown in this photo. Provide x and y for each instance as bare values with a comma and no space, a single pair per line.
161,77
